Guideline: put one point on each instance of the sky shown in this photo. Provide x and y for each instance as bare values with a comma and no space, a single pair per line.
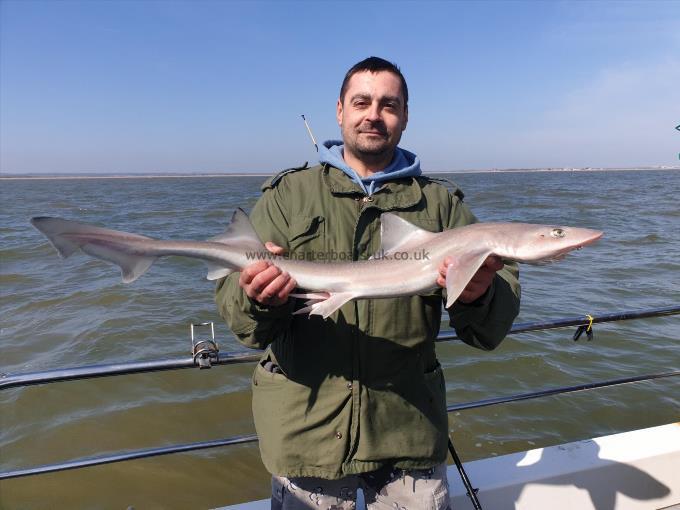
155,86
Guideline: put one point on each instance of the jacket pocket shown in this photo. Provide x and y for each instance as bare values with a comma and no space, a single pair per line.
268,388
434,381
304,229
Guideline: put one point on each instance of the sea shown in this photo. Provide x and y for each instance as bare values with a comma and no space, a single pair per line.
58,313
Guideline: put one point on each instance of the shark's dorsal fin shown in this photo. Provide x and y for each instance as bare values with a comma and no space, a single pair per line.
397,234
240,231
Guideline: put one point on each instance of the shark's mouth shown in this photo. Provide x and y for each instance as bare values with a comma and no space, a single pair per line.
560,255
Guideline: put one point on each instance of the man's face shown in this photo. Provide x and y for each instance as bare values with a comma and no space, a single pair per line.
373,115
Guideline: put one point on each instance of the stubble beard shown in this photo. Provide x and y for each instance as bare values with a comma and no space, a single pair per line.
372,150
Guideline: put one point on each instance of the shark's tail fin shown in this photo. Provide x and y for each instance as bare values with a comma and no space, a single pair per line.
133,253
68,237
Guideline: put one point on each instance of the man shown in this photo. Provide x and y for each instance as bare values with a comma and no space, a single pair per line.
358,399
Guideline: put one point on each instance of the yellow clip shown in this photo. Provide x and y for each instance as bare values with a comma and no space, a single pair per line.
590,323
588,330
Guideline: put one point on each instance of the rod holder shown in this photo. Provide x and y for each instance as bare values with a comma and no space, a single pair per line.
205,351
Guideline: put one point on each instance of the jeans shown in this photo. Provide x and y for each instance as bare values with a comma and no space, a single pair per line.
387,488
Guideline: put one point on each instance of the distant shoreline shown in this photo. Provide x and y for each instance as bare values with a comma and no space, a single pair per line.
123,176
18,177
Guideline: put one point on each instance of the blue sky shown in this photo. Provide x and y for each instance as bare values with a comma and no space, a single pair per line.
217,86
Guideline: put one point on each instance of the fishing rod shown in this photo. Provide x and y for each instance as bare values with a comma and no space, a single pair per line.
205,354
208,358
310,133
470,491
244,439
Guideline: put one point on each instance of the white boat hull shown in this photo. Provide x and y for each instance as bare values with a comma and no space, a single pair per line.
629,471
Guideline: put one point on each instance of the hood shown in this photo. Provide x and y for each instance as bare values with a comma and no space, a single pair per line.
404,164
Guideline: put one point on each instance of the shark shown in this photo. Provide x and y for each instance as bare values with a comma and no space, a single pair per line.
407,263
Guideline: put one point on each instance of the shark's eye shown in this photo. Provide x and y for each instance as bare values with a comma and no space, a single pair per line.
558,232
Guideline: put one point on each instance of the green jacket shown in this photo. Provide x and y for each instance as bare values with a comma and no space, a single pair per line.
363,388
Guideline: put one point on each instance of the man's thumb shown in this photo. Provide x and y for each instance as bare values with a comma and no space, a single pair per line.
274,248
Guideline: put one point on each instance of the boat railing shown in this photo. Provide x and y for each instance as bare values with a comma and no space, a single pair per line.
205,354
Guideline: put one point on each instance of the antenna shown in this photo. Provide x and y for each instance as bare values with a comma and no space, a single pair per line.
310,133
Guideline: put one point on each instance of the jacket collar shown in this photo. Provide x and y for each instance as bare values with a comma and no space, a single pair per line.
397,194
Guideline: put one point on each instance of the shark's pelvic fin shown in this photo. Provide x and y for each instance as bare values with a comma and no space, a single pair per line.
324,307
216,271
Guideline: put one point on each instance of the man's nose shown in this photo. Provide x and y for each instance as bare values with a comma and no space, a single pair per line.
373,113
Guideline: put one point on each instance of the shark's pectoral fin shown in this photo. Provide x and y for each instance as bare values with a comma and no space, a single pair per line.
460,272
216,271
326,306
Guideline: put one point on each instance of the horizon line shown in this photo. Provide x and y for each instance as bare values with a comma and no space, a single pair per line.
152,175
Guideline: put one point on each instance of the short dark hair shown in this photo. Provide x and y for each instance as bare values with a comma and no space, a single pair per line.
374,65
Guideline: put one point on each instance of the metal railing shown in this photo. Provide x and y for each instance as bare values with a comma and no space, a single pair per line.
205,355
228,358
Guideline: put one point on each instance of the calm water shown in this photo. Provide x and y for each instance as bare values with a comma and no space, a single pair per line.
56,313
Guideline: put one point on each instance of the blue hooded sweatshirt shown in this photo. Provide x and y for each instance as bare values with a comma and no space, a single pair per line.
404,164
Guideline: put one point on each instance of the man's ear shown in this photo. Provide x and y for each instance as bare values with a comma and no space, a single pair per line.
403,126
338,112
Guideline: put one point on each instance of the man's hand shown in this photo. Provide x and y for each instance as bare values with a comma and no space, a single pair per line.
264,282
479,283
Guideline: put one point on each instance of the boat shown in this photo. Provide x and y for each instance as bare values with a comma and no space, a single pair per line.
629,471
639,469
